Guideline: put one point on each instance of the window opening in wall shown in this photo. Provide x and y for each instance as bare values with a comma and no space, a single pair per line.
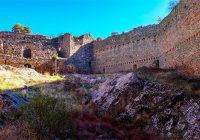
27,53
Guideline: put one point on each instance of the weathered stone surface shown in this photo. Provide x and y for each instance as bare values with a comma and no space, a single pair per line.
172,44
36,51
166,111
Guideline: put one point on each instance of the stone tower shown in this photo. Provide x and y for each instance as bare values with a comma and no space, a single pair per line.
64,43
68,45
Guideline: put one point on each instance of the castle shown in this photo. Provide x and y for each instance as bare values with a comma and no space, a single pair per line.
172,44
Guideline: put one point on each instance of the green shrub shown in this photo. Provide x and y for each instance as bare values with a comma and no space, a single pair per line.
18,28
48,115
175,76
55,57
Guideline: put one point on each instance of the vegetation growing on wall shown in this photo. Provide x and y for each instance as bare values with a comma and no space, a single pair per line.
18,28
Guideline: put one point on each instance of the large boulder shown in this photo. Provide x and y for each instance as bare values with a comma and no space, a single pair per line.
158,109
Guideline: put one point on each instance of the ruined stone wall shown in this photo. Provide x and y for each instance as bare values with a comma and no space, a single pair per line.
81,59
63,45
78,42
174,43
72,50
68,44
24,50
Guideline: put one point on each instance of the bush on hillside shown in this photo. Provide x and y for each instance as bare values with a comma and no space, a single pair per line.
48,115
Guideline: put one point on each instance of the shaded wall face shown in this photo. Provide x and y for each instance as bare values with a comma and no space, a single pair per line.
77,43
69,45
81,59
78,53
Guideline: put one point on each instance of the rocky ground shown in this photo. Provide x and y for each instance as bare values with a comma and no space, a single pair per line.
156,108
117,106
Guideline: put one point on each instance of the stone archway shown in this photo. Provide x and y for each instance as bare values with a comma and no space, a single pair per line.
27,65
27,53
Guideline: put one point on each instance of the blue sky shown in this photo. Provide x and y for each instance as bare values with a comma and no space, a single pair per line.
98,17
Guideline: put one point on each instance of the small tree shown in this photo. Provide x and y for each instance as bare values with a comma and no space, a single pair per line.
18,28
27,30
54,59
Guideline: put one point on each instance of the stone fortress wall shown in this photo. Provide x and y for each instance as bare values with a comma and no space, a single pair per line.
179,38
128,51
67,45
36,51
74,51
174,43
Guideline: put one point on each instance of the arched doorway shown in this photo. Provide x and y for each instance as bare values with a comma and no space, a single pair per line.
27,53
27,66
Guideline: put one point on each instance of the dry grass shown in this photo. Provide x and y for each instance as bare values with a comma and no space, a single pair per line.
173,79
12,80
80,120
